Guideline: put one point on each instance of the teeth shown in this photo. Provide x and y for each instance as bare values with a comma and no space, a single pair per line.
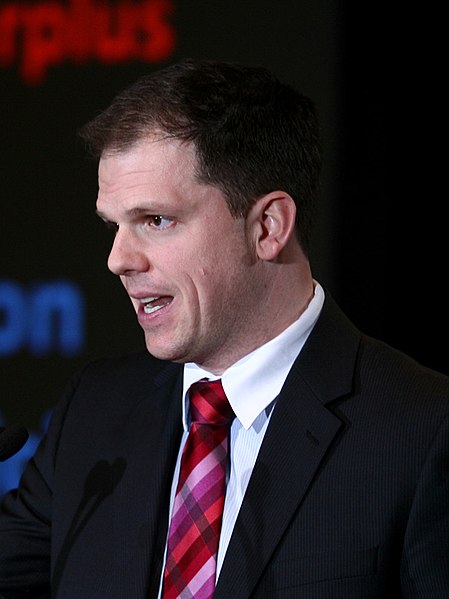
148,309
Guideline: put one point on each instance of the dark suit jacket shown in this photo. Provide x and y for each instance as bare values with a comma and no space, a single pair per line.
349,497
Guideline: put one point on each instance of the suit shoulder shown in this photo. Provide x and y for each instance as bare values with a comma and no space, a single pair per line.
125,363
376,350
391,367
131,371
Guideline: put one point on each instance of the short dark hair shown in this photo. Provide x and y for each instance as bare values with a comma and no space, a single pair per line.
252,134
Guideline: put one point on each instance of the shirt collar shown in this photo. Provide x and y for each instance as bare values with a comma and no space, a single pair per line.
252,383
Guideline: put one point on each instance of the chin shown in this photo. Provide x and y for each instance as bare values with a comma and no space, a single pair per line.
163,353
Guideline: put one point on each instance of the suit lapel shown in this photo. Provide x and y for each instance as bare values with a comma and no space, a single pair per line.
300,434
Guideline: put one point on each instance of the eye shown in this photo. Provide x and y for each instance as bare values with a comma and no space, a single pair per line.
160,222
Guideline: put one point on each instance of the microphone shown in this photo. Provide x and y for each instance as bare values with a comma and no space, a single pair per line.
12,439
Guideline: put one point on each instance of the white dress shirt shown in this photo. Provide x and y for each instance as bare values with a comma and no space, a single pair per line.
251,385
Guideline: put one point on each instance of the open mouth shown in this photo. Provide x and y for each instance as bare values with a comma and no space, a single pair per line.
153,304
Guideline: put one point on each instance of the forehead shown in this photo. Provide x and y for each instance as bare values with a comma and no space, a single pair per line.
152,156
154,169
157,175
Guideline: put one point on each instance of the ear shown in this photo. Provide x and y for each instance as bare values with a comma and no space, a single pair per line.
272,221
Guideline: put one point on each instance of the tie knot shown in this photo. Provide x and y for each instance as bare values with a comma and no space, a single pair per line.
209,404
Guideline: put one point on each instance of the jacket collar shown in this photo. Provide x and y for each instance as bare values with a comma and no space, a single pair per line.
302,430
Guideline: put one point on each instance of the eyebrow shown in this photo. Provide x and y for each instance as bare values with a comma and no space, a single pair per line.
133,212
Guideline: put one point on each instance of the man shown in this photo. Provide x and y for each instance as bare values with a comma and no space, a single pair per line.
336,457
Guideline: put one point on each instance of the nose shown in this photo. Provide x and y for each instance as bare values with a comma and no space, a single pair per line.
126,255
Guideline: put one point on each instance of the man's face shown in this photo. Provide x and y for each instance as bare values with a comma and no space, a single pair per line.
188,266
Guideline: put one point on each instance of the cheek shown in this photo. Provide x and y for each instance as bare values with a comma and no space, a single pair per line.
217,283
213,270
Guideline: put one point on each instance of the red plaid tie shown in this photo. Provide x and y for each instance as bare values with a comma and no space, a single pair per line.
198,508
